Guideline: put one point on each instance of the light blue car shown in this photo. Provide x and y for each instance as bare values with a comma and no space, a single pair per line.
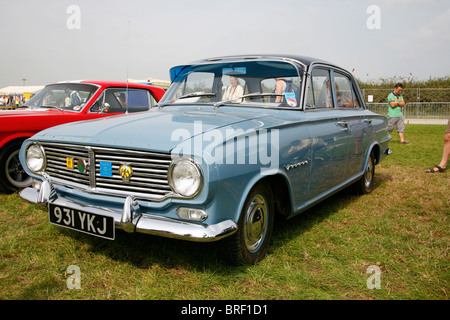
234,141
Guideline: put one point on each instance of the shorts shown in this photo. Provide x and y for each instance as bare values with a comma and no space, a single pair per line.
396,122
447,130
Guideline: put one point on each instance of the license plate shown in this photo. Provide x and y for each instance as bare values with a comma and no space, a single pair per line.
87,222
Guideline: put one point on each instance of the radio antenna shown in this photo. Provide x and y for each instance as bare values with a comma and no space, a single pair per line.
128,61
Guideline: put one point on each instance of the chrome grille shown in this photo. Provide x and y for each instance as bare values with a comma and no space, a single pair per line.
149,171
148,180
57,167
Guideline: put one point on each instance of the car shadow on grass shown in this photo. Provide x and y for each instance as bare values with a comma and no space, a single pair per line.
286,230
40,290
144,251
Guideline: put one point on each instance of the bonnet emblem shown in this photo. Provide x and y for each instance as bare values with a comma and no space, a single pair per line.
125,172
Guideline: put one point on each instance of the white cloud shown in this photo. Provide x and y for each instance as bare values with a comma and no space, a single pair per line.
430,38
437,30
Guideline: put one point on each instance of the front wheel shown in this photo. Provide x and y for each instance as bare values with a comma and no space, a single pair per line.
12,175
250,242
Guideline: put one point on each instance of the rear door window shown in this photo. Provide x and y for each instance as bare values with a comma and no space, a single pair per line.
345,95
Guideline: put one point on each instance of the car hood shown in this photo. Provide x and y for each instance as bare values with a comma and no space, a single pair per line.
25,112
34,120
159,131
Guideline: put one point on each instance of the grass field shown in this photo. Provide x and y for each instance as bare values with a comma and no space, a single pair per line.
401,228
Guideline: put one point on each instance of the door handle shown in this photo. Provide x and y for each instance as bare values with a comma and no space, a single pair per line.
368,121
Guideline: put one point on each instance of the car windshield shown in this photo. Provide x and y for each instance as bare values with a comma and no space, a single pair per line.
67,96
252,83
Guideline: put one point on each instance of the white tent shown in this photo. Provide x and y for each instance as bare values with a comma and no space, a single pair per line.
19,90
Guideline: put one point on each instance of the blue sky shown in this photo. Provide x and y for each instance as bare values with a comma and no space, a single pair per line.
144,38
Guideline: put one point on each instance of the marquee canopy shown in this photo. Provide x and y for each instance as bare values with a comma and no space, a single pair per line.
19,89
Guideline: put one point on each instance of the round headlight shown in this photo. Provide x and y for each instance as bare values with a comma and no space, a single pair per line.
35,158
185,178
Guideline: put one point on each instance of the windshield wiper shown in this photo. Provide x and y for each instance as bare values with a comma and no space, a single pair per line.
197,94
255,94
189,95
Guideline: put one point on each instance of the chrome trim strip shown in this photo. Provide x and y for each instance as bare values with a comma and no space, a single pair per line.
112,192
91,167
183,230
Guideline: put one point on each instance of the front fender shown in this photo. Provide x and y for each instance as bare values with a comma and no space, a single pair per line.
11,137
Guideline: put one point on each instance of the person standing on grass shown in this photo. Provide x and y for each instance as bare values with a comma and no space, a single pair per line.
395,114
445,153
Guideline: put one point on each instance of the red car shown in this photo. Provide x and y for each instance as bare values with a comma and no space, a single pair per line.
60,103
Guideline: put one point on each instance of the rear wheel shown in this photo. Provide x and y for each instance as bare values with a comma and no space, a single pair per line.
365,184
250,242
12,175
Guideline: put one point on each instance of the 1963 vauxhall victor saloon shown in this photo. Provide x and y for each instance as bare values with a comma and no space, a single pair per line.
234,141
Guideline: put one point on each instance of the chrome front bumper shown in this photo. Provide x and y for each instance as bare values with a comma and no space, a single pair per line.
132,219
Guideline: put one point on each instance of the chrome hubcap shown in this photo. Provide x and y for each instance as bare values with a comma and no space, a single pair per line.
15,173
368,176
255,224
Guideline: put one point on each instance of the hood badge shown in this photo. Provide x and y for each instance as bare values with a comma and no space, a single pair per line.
81,166
125,172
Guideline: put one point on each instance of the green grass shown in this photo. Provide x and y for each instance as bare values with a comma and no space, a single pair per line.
401,227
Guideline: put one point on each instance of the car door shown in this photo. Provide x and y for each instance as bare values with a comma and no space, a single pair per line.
122,100
358,125
329,131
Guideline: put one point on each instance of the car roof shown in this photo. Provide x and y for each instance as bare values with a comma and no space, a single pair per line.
105,83
306,61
